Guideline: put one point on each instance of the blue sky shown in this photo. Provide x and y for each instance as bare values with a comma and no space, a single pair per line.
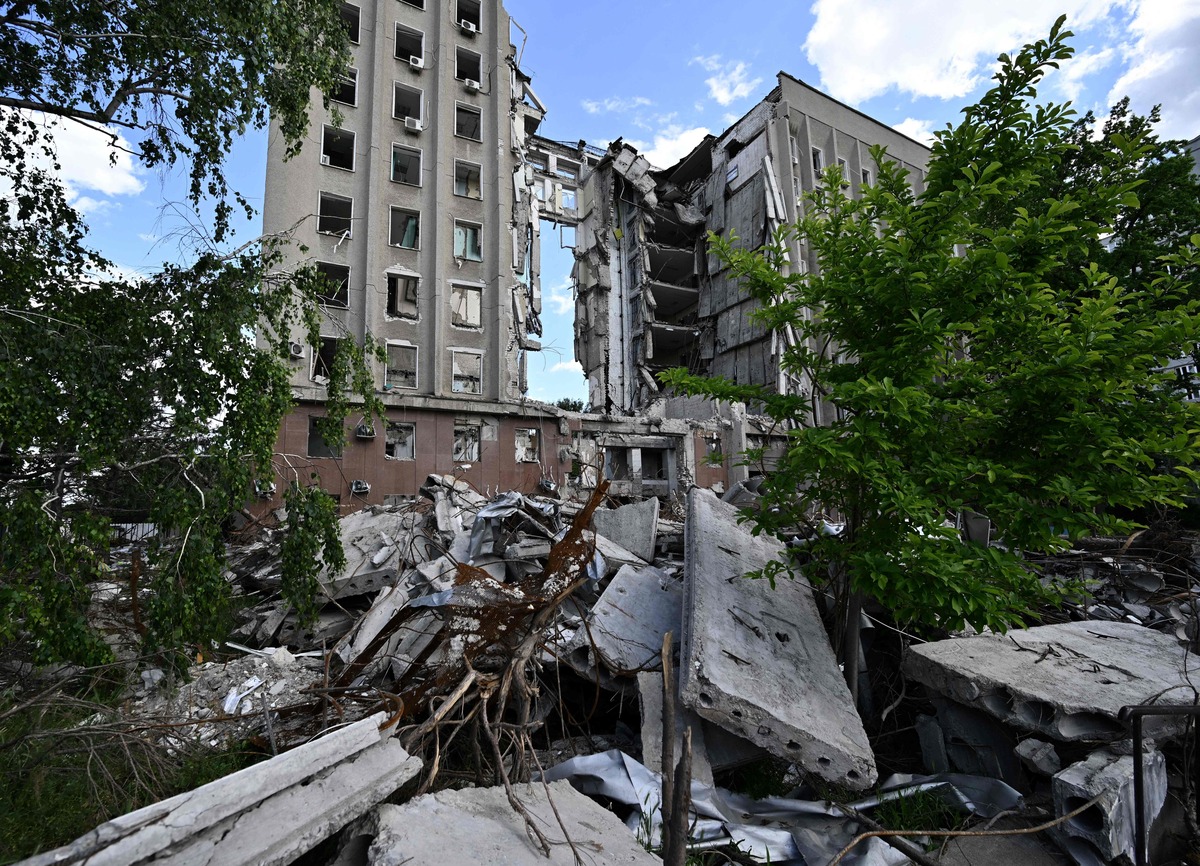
663,74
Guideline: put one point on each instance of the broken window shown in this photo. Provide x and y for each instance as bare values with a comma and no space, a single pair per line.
410,44
468,122
866,177
350,20
568,199
466,372
539,161
400,441
335,290
713,453
318,445
347,89
334,214
469,15
564,169
528,447
466,241
731,173
406,165
468,66
842,168
795,149
466,303
406,102
401,371
405,230
402,295
323,359
818,161
616,463
394,500
337,148
466,443
466,179
654,464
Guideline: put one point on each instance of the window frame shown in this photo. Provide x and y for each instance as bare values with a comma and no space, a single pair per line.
415,300
352,77
466,226
466,290
341,299
818,160
472,353
467,108
420,164
466,163
388,427
416,370
412,31
320,362
420,115
328,131
475,58
391,227
478,443
356,37
536,441
335,452
348,232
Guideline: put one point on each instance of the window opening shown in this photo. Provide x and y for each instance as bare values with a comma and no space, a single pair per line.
468,122
406,165
466,242
568,199
467,373
466,303
401,371
866,177
469,14
405,229
818,162
466,180
419,4
335,288
400,441
402,295
318,445
466,443
334,214
409,43
350,16
528,445
468,65
347,89
406,102
323,359
337,148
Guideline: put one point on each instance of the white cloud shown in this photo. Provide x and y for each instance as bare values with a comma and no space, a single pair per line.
921,130
731,80
560,298
567,367
672,144
1161,65
614,104
148,238
1069,81
938,48
87,167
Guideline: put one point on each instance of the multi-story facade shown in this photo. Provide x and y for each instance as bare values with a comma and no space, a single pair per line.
650,295
420,203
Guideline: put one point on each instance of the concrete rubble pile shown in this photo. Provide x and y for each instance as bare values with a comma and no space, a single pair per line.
562,609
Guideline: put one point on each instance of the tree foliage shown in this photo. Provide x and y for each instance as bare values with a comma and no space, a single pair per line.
965,352
148,390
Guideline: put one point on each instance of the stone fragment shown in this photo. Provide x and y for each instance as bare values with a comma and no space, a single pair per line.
477,825
756,660
1039,756
1108,826
633,526
626,626
1066,681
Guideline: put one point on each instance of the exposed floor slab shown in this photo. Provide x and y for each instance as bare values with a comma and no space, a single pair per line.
633,526
756,660
1067,681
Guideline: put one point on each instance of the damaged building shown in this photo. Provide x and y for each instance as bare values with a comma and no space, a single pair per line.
649,294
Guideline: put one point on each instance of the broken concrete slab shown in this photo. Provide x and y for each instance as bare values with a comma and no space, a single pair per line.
1108,825
477,825
633,526
626,626
1066,681
756,660
168,827
1038,756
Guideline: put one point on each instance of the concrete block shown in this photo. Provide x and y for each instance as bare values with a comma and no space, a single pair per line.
756,660
626,626
1039,757
634,526
1108,826
1066,681
477,825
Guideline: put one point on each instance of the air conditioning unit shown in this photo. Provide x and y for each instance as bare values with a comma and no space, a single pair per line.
296,350
417,63
364,431
264,489
359,487
468,27
324,159
471,84
412,124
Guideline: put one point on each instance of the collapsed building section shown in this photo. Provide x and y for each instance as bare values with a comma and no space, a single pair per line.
650,295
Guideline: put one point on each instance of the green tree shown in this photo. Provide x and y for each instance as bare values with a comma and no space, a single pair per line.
571,404
966,355
152,387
